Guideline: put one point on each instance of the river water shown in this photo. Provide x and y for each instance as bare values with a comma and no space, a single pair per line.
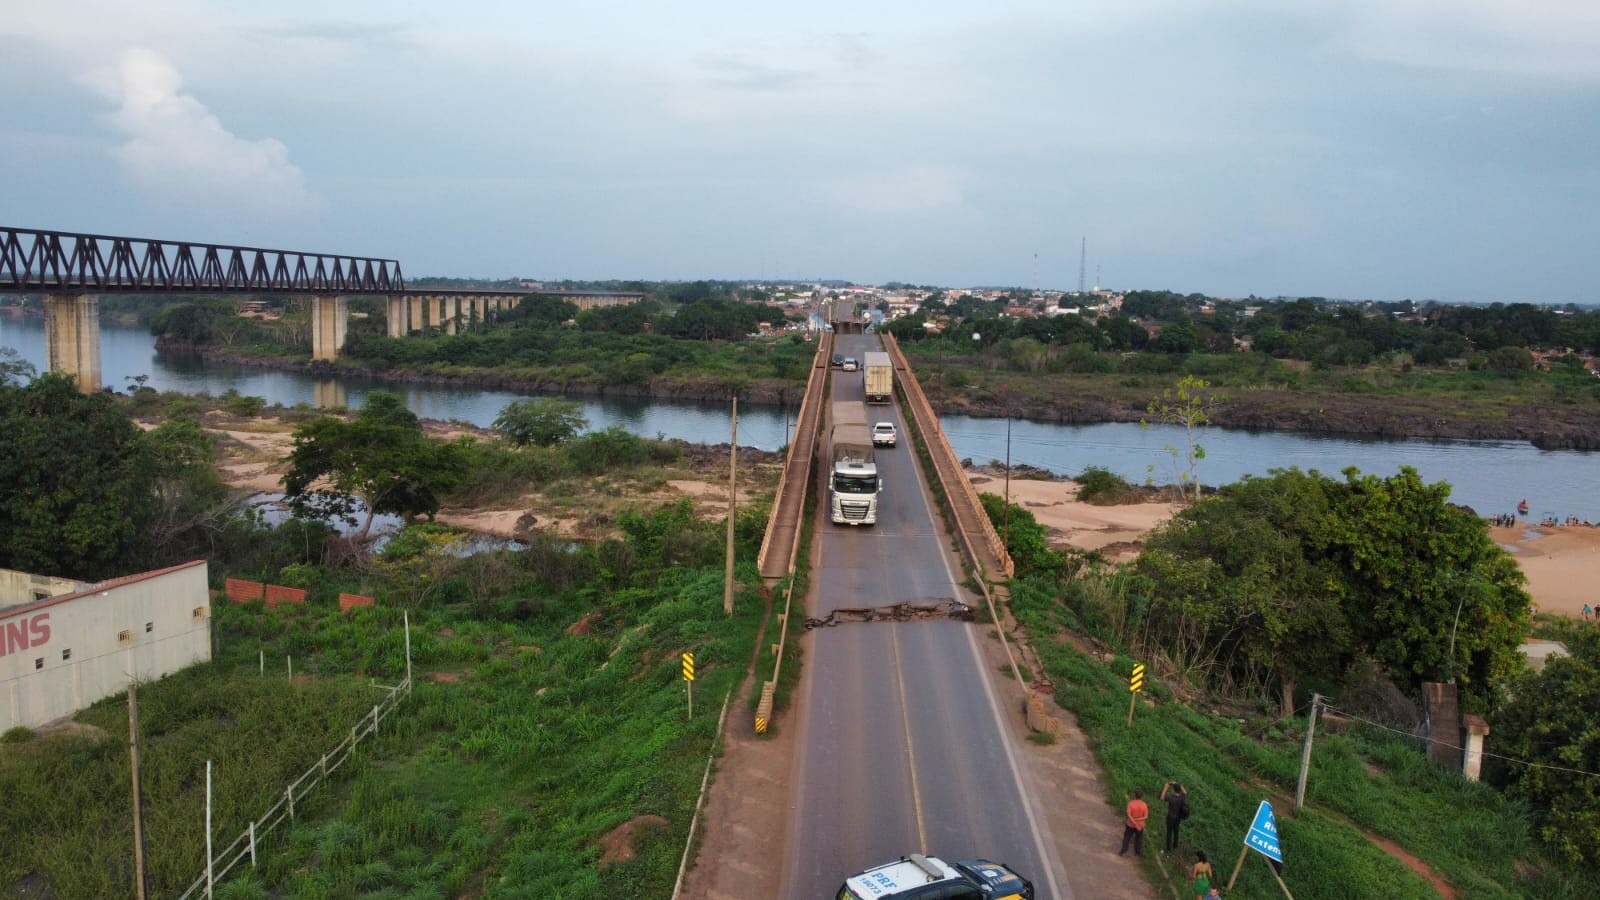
1490,476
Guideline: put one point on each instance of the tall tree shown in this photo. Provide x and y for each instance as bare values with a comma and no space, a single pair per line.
1296,574
1439,600
1245,582
378,462
1549,726
77,482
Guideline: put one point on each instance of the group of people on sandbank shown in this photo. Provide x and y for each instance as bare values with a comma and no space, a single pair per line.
1177,800
1510,520
1569,522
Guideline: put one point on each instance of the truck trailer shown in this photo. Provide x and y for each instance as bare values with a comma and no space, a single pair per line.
879,378
853,482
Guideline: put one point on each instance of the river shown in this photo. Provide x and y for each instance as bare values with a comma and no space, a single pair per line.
1489,476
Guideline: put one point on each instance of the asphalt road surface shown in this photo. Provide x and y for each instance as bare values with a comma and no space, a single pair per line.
903,747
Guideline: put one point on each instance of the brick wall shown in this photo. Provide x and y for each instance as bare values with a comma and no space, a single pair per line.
240,591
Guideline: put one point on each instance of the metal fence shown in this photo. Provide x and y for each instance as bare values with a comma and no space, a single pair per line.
218,865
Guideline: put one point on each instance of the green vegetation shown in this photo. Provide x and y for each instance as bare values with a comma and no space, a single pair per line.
548,710
681,337
1362,781
1187,405
86,492
1294,577
1549,721
540,422
1103,487
377,462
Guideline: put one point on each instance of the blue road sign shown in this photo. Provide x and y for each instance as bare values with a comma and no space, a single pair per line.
1263,834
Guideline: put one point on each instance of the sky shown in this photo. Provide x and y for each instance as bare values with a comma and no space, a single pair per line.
1361,149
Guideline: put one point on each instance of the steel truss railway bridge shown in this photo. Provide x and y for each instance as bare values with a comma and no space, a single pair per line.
73,270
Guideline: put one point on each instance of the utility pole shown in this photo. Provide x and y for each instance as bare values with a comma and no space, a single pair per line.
733,486
1305,755
138,805
1005,527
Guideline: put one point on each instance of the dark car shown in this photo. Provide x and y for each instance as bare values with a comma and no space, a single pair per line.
838,359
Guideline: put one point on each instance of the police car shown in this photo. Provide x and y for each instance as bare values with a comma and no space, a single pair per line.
918,877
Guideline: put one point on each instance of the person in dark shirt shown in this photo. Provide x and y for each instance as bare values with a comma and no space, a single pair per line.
1177,810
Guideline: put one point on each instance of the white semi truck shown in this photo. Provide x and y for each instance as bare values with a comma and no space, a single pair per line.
853,482
879,377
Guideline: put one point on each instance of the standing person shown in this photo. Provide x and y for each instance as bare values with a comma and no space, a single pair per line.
1177,810
1200,875
1138,812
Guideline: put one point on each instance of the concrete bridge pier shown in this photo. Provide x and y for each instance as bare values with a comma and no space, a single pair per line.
397,317
416,321
330,317
436,312
452,313
72,333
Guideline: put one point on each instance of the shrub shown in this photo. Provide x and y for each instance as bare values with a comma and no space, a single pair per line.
1102,487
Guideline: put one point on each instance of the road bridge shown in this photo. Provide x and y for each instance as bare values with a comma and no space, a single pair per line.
903,728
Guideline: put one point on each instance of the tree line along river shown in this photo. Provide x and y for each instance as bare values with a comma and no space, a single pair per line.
1489,476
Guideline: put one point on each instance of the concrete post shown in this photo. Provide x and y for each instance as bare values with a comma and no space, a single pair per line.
72,333
1477,730
452,312
418,320
436,312
397,317
330,317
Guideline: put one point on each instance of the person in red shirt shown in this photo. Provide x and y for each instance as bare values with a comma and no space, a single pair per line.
1133,830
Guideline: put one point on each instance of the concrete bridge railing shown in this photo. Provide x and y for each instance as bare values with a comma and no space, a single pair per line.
981,543
779,544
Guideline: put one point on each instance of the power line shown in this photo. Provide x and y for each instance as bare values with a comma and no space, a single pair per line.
1431,740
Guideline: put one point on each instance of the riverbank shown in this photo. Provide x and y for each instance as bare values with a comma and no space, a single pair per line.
256,452
1076,400
1087,400
764,392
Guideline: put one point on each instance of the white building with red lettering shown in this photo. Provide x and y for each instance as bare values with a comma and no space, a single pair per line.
65,644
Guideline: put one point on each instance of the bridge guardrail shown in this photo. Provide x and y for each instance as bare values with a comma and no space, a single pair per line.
985,550
788,506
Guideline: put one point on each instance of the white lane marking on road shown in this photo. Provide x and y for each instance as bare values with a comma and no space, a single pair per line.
911,753
1047,858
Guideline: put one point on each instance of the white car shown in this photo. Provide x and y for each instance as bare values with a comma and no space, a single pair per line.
883,434
850,364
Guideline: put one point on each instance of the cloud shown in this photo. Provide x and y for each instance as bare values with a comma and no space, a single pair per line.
903,190
175,146
740,72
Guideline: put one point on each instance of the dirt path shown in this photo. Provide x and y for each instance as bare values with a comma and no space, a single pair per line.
1416,865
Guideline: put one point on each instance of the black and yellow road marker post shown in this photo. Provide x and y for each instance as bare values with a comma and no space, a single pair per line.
688,680
1135,685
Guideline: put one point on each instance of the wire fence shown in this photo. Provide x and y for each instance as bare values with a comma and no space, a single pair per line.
244,846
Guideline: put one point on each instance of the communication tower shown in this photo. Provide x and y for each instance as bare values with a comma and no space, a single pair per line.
1083,259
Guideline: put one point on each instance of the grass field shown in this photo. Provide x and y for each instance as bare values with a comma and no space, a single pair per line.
532,732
